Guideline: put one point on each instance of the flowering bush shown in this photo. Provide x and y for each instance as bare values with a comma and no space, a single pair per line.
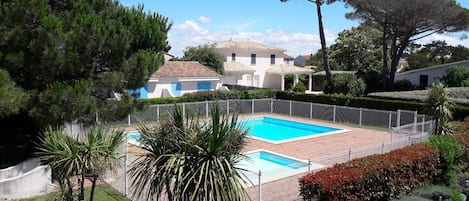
376,177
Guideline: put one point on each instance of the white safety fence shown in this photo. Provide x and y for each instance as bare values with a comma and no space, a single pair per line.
406,128
333,113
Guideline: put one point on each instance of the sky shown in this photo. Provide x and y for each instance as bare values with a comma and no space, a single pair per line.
291,25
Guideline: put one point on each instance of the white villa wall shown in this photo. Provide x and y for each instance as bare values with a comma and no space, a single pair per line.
26,179
262,63
433,73
155,89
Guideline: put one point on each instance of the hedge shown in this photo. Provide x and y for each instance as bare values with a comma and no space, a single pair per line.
459,112
213,95
376,177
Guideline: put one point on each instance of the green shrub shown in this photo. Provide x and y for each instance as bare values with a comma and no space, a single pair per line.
450,150
348,84
299,87
403,85
376,177
213,95
456,77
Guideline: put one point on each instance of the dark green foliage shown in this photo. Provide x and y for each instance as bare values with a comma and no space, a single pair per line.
72,56
435,53
450,150
372,79
299,87
206,56
403,85
213,95
357,49
456,77
348,84
12,98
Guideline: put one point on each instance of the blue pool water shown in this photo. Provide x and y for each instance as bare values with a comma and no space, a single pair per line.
133,136
271,165
273,129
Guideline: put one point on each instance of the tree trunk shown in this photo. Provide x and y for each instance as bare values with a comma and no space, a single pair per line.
329,84
70,190
385,57
81,196
398,50
93,185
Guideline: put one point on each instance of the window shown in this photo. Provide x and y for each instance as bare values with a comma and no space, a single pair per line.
272,59
253,59
233,57
423,81
176,88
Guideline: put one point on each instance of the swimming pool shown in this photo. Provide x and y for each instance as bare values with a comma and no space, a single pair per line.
272,165
276,130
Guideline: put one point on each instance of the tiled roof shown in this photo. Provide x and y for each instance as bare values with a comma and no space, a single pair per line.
237,67
232,44
184,69
287,57
307,57
284,69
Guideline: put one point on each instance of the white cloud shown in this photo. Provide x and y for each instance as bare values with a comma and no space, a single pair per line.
190,27
190,34
205,20
453,39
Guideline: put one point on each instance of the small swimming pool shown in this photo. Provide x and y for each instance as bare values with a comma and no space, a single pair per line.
273,166
276,130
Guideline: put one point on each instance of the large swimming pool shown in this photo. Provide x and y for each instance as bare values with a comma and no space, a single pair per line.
276,130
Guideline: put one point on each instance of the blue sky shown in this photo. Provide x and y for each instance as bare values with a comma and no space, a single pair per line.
291,25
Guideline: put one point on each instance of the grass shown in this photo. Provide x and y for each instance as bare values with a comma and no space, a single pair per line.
459,95
102,192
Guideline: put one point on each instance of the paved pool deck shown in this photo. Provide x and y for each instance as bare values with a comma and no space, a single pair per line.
287,189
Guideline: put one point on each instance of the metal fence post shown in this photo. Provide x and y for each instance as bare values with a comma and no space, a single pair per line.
228,107
157,113
390,119
290,109
409,142
252,105
350,154
361,115
125,164
260,186
311,110
183,109
97,118
309,165
333,115
382,148
206,109
128,120
415,123
423,124
271,105
398,120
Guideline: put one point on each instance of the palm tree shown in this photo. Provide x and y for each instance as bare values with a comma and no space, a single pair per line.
95,153
438,106
327,69
191,161
63,154
100,153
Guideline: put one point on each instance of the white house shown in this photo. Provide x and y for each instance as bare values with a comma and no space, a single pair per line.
250,63
424,77
176,78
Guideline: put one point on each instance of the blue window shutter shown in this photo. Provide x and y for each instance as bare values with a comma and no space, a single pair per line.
204,86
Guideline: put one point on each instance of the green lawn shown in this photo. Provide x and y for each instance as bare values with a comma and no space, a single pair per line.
431,192
102,192
459,95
